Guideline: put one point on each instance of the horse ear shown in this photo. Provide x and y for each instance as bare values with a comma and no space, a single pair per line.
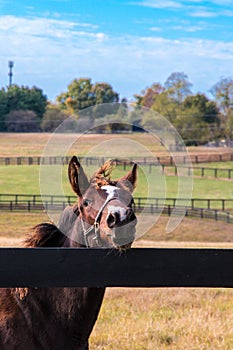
130,179
77,177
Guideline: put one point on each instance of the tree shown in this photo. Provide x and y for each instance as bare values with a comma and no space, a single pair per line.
82,94
22,121
25,98
3,109
223,93
178,86
198,119
103,93
159,101
123,110
165,105
22,99
199,105
53,117
192,130
148,96
151,120
78,96
106,100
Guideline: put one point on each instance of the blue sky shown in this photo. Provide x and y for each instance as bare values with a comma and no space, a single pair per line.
127,43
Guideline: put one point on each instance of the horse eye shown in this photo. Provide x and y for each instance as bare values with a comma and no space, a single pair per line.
86,202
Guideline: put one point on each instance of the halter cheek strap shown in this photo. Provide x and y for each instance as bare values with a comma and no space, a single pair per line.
96,224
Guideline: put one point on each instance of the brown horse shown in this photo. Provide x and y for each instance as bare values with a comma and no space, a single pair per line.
63,318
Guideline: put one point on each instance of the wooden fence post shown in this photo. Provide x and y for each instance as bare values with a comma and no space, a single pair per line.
223,204
202,172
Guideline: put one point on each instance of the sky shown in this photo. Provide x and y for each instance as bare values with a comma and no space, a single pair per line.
129,44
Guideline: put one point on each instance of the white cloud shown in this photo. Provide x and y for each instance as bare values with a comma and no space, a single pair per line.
187,28
161,4
193,8
156,29
50,53
202,13
227,13
222,2
38,25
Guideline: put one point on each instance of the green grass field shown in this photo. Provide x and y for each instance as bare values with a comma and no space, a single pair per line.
25,180
219,165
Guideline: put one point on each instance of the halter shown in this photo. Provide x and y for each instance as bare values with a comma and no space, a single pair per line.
96,224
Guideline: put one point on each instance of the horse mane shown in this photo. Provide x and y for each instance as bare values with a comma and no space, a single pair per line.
102,177
42,235
45,235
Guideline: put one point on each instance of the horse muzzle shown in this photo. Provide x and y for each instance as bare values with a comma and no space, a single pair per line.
122,223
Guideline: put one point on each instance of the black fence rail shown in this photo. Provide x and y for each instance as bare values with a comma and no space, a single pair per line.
35,199
224,173
32,200
201,213
163,160
166,163
201,208
143,267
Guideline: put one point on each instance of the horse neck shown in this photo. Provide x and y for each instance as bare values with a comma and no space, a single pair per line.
81,301
70,225
79,308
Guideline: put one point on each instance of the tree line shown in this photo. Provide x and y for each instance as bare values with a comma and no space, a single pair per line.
197,118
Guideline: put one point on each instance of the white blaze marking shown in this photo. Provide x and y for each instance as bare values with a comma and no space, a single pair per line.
112,192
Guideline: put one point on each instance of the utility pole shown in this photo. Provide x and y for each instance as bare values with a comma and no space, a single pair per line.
10,65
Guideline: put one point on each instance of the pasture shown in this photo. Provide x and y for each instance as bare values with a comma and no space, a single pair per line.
139,319
25,180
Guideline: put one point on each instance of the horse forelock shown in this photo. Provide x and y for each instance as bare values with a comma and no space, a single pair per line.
102,177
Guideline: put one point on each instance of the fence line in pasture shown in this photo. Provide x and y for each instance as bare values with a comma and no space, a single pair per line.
217,209
140,202
166,164
224,173
143,267
149,161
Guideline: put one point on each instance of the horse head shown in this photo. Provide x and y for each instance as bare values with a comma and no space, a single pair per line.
105,215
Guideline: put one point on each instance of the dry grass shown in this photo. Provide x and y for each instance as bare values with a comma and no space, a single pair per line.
25,144
16,144
191,230
176,319
32,144
14,225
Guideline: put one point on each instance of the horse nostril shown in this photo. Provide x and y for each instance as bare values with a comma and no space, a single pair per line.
111,220
130,214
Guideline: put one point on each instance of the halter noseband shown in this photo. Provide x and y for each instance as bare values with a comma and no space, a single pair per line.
96,224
